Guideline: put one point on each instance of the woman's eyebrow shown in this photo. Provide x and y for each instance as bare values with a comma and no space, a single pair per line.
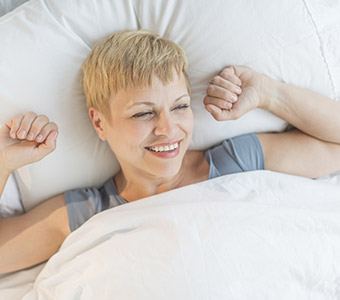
152,103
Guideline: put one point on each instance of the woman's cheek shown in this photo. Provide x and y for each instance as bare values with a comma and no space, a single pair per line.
189,121
139,129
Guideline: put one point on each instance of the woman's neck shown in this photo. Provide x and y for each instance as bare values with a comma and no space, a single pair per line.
134,186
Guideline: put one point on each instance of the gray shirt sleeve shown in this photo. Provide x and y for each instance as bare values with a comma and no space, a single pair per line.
238,154
82,204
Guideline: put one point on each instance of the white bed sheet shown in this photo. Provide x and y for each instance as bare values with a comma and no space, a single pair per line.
15,285
8,5
254,235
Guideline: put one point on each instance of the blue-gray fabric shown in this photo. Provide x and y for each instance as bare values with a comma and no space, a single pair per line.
239,154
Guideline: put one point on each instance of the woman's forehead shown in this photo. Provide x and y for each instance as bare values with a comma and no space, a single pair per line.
156,92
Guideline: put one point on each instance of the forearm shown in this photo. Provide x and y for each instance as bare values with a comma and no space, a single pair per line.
312,113
25,243
33,237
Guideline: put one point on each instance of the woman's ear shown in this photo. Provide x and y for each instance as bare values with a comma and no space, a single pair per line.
98,122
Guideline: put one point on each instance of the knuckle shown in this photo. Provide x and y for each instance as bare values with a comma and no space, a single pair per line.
18,116
47,128
31,114
53,124
16,120
216,79
210,89
14,127
43,119
226,71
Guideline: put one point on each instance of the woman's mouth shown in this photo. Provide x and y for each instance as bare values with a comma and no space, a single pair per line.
165,151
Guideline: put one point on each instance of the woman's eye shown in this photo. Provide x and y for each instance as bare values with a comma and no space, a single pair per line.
182,106
143,114
150,113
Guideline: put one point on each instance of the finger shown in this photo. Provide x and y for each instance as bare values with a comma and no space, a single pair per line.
219,92
219,114
220,81
223,104
47,146
229,74
36,126
15,124
239,69
25,125
8,124
51,139
215,111
45,131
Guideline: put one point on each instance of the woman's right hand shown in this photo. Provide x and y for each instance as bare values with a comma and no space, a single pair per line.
20,141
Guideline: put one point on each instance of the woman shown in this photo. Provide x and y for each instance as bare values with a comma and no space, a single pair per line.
138,98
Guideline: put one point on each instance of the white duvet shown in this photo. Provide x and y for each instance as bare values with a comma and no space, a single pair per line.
256,235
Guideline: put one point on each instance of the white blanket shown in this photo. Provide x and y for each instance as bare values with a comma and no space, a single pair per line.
256,235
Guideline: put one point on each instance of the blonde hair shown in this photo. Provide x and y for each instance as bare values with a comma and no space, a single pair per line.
129,59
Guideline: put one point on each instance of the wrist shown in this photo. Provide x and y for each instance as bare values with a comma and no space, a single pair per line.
271,93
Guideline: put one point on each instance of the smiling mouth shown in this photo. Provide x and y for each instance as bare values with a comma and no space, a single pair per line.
167,148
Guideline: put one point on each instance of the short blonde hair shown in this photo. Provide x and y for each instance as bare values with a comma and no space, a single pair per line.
129,59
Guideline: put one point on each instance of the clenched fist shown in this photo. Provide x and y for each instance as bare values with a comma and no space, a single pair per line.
25,139
235,91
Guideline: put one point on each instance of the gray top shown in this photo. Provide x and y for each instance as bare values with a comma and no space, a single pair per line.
238,154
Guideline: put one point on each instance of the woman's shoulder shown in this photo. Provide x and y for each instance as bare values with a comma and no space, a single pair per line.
237,154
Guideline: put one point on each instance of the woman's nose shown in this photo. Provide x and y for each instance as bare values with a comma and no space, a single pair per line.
165,125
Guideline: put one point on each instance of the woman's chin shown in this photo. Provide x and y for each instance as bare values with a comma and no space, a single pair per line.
167,173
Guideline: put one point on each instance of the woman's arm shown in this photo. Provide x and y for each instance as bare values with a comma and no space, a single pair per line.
312,151
308,111
33,237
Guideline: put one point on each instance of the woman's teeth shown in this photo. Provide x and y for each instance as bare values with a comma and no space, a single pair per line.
163,148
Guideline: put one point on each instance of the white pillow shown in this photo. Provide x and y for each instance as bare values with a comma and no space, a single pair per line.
10,202
45,42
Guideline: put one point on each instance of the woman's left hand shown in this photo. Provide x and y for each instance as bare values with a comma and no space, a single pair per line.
235,91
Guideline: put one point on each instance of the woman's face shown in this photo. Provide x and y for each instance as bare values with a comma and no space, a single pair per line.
151,127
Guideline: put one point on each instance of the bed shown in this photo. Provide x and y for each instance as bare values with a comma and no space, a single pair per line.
254,235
